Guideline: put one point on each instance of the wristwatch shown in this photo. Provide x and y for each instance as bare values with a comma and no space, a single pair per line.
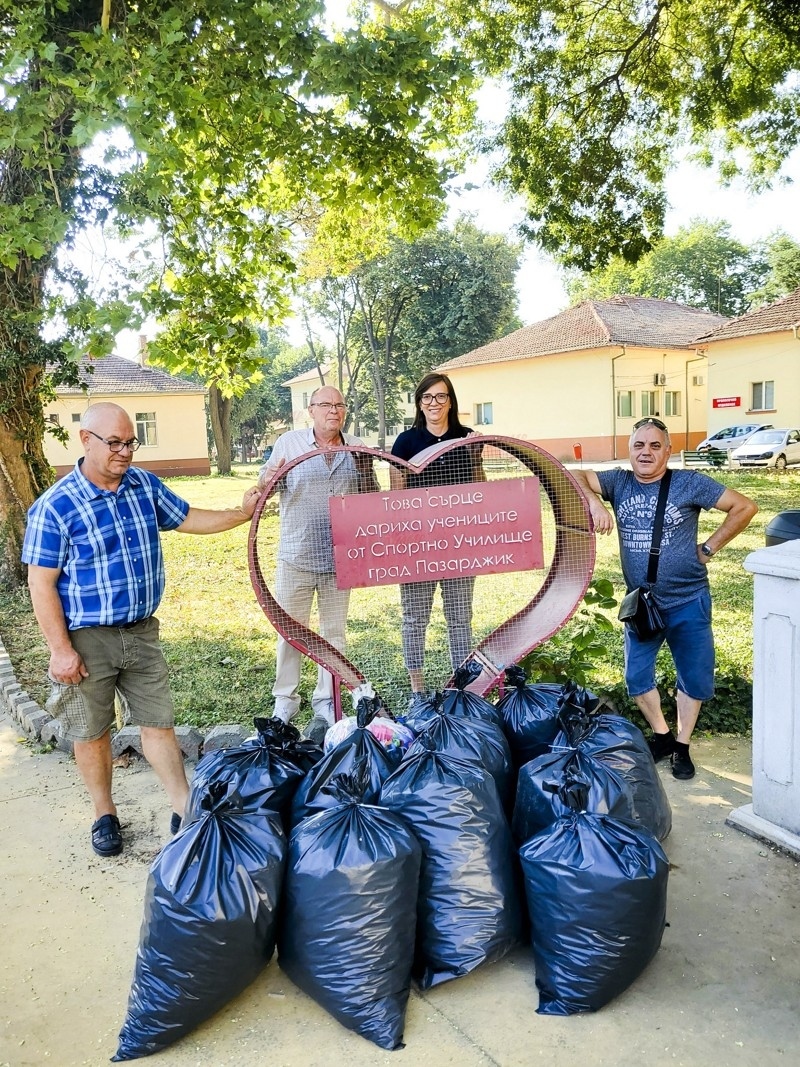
707,550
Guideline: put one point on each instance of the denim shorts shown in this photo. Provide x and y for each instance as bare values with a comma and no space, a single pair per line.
690,640
124,658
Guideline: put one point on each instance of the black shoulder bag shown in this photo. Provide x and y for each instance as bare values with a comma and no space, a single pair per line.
639,609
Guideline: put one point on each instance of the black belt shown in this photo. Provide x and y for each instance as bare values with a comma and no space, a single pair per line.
127,625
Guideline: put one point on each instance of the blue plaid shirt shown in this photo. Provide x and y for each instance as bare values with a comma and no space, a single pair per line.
105,543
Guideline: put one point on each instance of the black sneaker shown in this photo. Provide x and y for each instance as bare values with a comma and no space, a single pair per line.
661,745
682,766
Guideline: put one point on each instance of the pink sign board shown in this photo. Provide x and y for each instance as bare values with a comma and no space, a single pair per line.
445,531
726,402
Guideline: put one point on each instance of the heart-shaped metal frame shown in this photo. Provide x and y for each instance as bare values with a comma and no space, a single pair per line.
553,605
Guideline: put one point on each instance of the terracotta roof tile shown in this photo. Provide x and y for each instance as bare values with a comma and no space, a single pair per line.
774,318
621,320
115,374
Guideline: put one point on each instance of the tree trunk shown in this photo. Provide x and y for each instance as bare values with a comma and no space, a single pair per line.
24,471
220,410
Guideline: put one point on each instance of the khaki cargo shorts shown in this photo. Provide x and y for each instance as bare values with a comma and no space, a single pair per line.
124,658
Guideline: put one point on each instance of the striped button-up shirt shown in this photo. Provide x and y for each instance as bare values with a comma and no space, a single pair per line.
105,543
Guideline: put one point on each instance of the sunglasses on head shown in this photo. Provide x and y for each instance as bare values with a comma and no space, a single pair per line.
659,425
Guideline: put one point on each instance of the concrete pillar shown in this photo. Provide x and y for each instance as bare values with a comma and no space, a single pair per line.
774,815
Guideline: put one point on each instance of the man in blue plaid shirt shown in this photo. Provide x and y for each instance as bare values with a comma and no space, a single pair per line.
96,576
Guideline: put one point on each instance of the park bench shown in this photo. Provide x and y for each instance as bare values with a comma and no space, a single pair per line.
711,457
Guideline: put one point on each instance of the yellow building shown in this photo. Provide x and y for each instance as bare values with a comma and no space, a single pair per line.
754,367
585,376
168,415
304,384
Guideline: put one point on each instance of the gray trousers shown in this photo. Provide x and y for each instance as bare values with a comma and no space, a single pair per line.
416,601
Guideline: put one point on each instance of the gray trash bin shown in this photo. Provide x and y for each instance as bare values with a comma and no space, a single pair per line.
784,527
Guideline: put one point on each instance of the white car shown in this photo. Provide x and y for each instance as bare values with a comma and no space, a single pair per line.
769,448
732,436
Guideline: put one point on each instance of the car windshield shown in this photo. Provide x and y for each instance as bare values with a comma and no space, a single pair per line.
766,437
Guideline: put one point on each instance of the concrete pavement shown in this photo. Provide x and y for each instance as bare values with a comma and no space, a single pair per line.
723,990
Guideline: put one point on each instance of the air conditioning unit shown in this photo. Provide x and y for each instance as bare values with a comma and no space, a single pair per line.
698,379
659,379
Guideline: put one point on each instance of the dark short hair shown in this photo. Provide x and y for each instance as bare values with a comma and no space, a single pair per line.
453,423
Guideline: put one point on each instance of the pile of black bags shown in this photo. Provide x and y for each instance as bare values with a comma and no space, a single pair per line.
410,865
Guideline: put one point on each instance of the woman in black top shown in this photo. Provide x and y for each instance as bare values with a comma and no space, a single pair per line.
436,420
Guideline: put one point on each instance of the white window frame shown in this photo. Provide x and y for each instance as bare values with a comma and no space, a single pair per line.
672,402
649,402
484,414
767,393
630,396
147,429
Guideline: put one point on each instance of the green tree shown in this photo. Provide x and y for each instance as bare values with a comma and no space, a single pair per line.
415,306
702,266
604,94
238,113
782,256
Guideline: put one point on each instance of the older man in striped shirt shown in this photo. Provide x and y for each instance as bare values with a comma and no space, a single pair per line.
96,577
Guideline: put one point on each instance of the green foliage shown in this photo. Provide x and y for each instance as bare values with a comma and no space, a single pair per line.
222,129
603,95
422,302
702,266
572,654
782,254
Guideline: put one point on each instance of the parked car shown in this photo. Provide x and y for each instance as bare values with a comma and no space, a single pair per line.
732,436
769,448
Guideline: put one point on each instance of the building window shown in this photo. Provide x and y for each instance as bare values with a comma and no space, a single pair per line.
54,420
304,402
146,427
409,398
626,406
649,403
672,402
763,396
483,415
76,416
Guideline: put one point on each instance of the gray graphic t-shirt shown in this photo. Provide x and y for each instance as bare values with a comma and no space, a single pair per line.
681,575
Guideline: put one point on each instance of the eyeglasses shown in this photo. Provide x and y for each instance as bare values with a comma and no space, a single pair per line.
434,398
115,445
327,406
659,425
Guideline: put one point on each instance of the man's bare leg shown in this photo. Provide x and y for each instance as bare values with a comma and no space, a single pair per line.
162,752
94,764
688,711
650,706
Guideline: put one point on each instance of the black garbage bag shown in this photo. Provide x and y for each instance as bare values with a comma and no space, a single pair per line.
209,923
539,804
457,701
530,714
475,740
469,908
621,745
349,917
420,714
597,895
266,769
361,745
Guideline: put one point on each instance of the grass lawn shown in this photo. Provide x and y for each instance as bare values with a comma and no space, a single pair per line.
221,649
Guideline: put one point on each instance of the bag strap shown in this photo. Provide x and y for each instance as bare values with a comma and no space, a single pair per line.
658,526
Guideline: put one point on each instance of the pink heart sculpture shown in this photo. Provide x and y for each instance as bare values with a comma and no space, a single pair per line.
565,580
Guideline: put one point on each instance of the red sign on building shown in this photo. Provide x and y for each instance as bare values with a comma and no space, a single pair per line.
447,531
726,402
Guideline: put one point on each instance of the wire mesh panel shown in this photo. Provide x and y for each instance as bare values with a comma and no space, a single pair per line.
373,567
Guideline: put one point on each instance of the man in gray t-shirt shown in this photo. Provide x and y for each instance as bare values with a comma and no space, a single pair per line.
681,589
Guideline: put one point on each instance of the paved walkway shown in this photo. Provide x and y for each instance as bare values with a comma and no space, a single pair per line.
723,990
